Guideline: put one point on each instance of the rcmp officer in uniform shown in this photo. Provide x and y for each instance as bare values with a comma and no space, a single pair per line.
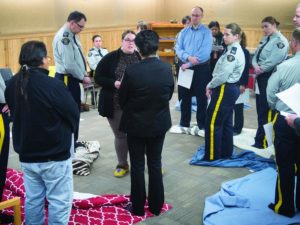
286,140
4,146
94,56
69,61
223,91
96,53
272,50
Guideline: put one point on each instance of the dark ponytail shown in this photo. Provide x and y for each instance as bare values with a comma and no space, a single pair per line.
31,56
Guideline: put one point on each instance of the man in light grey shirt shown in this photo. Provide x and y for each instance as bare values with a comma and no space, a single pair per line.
69,60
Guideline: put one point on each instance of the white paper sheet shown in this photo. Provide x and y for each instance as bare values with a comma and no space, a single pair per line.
291,97
185,78
244,97
269,133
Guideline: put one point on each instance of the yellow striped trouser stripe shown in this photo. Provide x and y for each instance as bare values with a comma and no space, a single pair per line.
279,203
2,132
66,80
212,123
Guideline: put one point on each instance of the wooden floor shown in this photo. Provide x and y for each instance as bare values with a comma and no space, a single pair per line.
186,187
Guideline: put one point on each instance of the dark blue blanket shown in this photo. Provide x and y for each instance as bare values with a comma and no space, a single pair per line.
242,158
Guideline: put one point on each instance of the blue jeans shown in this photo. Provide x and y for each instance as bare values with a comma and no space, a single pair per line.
54,181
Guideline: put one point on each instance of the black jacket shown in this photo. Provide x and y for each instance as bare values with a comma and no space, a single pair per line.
144,96
245,75
42,127
105,77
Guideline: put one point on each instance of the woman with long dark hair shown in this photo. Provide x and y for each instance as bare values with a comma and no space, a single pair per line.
44,116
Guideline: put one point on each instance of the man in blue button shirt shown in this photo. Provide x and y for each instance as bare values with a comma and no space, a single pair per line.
193,47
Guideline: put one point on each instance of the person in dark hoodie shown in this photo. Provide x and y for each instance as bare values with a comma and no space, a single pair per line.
44,117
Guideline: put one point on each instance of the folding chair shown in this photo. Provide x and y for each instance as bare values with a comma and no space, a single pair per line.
14,202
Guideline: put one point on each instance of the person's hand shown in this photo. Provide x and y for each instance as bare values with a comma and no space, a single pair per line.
5,109
86,80
290,119
242,89
208,92
193,60
117,84
257,70
184,66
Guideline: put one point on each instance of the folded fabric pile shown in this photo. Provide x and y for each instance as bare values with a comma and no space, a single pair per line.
85,155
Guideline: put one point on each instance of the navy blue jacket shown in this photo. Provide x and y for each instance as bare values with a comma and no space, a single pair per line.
42,125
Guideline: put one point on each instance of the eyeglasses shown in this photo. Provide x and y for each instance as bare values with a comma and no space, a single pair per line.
129,40
80,26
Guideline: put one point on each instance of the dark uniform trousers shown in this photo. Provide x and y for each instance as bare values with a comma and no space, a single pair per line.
264,114
287,154
238,118
73,86
4,147
218,126
201,78
152,148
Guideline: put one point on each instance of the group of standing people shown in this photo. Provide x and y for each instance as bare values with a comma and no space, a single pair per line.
135,94
225,82
45,116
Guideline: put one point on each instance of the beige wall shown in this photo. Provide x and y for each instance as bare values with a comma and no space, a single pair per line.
31,16
35,16
247,13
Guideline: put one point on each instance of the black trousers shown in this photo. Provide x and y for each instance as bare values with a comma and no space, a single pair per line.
287,156
201,78
263,110
152,148
74,88
4,148
218,126
238,118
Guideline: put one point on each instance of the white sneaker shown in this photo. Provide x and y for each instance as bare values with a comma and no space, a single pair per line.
201,133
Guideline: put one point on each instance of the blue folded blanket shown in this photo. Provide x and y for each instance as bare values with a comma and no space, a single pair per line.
244,201
242,158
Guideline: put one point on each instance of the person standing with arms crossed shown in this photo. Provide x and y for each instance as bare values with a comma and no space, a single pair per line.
193,48
69,61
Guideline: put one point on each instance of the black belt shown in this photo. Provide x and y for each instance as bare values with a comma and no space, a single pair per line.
202,64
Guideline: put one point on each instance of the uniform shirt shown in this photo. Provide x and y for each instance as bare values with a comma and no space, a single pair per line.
94,57
67,55
229,67
194,42
2,89
273,53
285,76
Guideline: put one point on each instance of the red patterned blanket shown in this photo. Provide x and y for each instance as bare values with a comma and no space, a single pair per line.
102,209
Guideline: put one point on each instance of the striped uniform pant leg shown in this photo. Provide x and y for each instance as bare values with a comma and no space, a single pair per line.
287,155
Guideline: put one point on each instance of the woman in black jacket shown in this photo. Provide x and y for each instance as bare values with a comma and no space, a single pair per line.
145,92
109,74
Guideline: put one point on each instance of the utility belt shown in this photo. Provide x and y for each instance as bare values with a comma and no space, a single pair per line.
66,78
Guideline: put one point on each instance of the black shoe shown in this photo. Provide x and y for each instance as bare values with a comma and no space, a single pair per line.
287,213
257,146
130,209
236,133
4,218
